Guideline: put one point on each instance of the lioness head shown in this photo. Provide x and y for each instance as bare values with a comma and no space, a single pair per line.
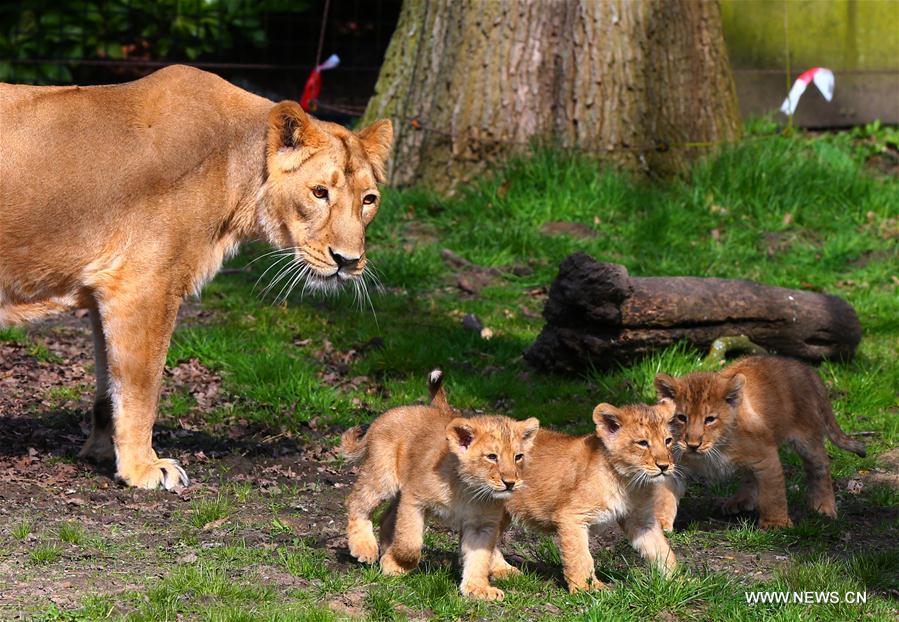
321,192
640,439
491,452
707,405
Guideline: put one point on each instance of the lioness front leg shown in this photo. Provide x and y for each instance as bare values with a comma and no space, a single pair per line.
138,327
99,444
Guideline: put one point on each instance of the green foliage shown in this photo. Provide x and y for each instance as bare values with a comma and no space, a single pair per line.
125,29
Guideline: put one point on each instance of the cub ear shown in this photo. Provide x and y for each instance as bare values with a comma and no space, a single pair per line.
377,139
289,127
666,386
734,394
666,407
528,428
607,419
460,434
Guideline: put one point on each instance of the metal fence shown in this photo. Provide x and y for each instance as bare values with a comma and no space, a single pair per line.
267,46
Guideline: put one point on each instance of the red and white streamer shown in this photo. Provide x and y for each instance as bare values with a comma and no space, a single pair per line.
823,79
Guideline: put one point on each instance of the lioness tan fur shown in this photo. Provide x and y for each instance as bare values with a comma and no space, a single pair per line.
123,199
573,483
739,417
426,460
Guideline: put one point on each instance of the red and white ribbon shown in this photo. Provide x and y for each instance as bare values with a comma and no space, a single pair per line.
309,99
823,79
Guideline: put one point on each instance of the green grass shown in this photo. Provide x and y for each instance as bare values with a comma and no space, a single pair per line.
797,212
72,533
22,530
45,554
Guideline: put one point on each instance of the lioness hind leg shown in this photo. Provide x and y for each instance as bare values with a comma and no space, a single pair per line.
817,474
99,444
138,326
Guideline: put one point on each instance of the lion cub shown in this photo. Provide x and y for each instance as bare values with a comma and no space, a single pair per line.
739,417
429,461
575,482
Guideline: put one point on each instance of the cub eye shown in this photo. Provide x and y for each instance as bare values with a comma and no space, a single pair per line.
320,192
643,443
519,457
668,441
682,417
710,419
491,457
368,199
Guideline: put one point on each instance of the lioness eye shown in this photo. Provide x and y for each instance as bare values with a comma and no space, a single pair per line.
320,192
519,457
710,420
643,443
668,441
491,457
369,199
682,417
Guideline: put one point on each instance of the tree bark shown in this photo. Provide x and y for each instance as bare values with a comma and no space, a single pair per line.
471,81
597,315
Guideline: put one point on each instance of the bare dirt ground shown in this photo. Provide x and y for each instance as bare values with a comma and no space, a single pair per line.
281,486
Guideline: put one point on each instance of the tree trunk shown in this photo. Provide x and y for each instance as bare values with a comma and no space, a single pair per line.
599,316
470,81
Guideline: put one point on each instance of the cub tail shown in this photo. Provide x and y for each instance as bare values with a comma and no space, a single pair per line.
836,434
353,442
438,393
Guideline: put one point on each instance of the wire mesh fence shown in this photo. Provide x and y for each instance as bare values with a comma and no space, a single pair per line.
267,46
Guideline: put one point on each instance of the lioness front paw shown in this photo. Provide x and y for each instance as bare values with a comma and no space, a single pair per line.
161,473
482,591
364,549
775,522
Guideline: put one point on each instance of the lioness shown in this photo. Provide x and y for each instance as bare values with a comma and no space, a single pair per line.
425,459
738,418
123,199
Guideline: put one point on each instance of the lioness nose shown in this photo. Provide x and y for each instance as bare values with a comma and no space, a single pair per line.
662,467
509,485
343,261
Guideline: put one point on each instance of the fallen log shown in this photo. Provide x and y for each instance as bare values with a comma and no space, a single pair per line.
599,315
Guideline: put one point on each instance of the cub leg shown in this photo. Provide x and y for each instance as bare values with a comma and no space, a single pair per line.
817,474
408,537
138,326
99,444
478,546
499,567
368,492
744,500
577,563
387,528
667,498
772,493
646,536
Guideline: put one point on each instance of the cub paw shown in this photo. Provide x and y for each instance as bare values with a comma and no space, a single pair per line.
775,523
737,504
504,572
666,523
364,549
827,508
161,473
392,568
482,591
590,585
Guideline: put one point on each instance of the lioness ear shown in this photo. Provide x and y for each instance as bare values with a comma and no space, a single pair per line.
289,127
529,428
734,393
377,139
460,434
607,419
666,386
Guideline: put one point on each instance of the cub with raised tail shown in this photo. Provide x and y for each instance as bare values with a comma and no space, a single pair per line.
737,419
576,482
426,460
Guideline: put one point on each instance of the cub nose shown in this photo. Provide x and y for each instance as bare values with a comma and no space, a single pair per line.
692,446
509,485
343,261
662,467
